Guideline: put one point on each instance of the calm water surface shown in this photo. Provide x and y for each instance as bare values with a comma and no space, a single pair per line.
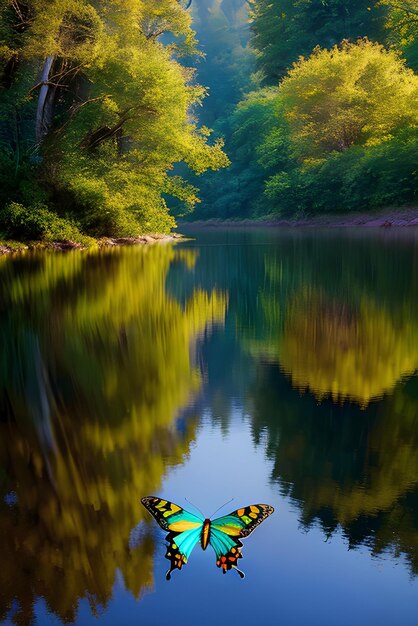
260,366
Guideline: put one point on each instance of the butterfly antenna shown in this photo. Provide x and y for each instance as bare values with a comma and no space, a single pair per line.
221,507
196,507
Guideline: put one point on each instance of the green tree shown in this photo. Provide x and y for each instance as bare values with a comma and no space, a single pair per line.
238,190
284,30
402,25
354,94
95,111
350,117
225,69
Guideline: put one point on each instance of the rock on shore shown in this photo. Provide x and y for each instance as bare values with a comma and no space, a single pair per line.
104,242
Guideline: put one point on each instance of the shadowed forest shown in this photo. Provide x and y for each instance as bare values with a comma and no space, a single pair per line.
118,117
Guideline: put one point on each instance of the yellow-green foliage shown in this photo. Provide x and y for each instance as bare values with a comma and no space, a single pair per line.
402,26
109,351
118,112
342,133
39,222
354,94
357,355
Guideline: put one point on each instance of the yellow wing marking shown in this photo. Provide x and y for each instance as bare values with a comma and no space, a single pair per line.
254,509
240,512
233,531
173,509
181,526
161,505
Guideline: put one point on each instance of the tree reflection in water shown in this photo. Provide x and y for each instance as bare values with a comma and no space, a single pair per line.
344,466
332,391
95,367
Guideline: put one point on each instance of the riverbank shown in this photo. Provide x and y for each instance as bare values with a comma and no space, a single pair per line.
10,247
387,218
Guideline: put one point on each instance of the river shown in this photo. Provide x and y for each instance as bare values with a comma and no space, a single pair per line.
261,366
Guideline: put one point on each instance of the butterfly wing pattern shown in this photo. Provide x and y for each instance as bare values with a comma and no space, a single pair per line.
227,531
185,530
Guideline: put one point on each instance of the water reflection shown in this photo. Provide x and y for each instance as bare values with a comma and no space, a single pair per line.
341,315
344,466
331,323
269,367
95,367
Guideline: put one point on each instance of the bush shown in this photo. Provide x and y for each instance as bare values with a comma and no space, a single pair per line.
38,222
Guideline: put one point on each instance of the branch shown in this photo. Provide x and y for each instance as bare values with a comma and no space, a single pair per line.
45,82
94,139
155,34
22,15
18,11
59,75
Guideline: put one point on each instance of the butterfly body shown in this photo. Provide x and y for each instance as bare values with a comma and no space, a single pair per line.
223,534
204,540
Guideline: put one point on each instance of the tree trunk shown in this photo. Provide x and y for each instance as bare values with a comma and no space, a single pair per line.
42,124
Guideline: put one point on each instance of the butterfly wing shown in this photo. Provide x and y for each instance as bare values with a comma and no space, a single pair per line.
179,548
170,516
227,550
226,532
184,529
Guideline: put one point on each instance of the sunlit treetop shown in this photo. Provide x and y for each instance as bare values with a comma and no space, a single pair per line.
106,105
352,94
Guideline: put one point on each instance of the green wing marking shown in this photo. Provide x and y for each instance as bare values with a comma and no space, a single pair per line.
226,532
249,517
166,512
184,529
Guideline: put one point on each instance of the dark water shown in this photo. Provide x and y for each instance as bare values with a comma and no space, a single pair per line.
267,367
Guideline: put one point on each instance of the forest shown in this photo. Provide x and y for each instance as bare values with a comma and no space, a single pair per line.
118,117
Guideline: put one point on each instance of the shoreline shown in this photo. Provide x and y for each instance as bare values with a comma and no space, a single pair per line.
15,247
386,218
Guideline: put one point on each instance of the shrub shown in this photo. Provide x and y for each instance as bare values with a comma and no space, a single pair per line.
39,222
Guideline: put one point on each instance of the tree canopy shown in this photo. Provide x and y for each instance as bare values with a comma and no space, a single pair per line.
355,94
284,30
402,26
337,132
95,112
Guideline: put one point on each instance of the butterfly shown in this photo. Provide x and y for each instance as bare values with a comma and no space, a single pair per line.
185,530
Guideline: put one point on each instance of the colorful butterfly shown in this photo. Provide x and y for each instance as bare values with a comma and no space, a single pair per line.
223,533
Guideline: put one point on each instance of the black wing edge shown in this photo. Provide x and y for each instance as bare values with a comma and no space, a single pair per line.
174,555
149,503
266,511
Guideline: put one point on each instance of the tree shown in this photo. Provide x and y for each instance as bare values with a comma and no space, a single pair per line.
97,110
402,25
354,94
284,30
351,121
237,190
227,62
